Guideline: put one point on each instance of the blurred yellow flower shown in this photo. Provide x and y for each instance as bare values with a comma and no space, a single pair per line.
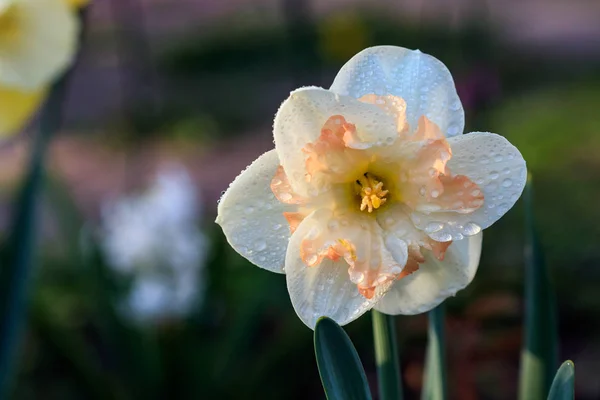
38,40
384,197
77,3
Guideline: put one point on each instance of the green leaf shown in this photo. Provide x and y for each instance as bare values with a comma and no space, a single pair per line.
21,243
386,356
342,374
563,386
434,387
539,354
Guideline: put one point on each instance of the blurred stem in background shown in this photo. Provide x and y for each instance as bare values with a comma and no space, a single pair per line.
20,247
302,39
434,380
539,358
386,356
15,276
138,76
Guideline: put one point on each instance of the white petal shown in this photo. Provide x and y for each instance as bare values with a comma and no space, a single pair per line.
323,290
435,280
46,45
252,218
301,117
497,167
421,80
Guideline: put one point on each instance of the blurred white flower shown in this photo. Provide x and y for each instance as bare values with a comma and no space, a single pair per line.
153,237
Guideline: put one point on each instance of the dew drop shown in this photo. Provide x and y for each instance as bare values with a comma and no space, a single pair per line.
471,228
260,245
441,236
507,183
285,196
476,192
312,259
422,191
453,130
356,276
276,227
494,175
498,158
396,270
435,193
276,182
434,227
249,210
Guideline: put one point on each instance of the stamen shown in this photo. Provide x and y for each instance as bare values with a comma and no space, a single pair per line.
371,192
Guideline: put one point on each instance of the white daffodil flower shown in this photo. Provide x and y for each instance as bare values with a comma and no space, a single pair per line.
38,41
372,196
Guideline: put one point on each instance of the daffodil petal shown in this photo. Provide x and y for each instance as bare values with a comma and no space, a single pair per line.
252,218
435,280
302,116
16,108
499,170
421,80
324,289
44,45
75,4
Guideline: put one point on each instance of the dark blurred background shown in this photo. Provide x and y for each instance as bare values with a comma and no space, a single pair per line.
185,91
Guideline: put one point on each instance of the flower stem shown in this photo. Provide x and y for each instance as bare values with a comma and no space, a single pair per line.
386,356
434,387
15,277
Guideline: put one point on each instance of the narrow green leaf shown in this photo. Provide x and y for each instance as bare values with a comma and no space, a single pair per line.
18,253
434,387
539,354
21,244
563,386
342,374
386,356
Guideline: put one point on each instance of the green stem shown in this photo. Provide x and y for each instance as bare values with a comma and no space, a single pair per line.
435,360
386,356
539,356
14,279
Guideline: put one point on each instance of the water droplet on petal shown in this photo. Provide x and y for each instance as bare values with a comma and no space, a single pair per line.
260,245
285,196
356,276
494,175
435,193
434,227
441,236
312,259
471,228
396,270
249,210
507,183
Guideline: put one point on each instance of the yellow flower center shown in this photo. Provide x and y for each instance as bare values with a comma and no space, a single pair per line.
371,192
10,25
